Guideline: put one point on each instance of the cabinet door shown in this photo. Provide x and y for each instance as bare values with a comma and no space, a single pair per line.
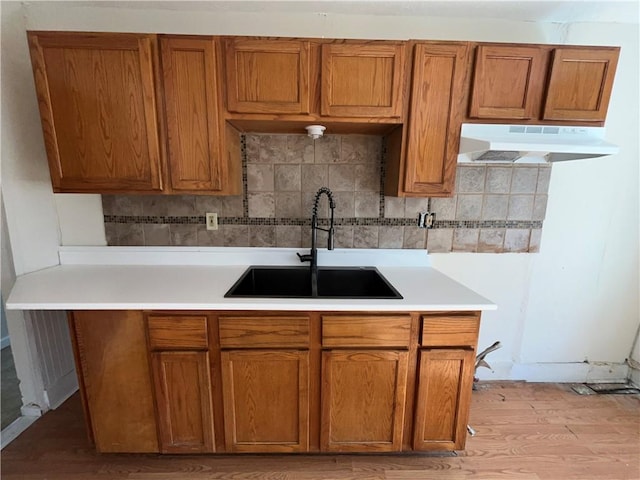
580,84
362,80
508,82
266,400
267,76
445,381
191,101
363,400
183,396
435,117
113,369
97,104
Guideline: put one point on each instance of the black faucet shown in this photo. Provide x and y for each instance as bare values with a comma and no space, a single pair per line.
312,257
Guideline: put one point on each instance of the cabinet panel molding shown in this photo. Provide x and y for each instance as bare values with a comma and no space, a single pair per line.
266,400
580,83
97,100
508,82
363,80
363,400
445,381
183,395
192,113
435,116
267,76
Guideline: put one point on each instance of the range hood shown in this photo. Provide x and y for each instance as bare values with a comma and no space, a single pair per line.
484,143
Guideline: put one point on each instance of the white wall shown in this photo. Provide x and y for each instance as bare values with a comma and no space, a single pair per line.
26,186
575,301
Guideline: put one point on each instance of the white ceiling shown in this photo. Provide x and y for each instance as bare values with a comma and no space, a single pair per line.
567,11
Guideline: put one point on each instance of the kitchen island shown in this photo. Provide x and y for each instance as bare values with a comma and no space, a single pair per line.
167,364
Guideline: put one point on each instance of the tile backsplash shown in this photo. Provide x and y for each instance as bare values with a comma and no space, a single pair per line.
497,208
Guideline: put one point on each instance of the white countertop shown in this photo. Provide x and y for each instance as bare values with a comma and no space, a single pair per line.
133,278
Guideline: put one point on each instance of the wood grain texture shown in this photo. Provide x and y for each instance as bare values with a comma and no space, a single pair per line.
232,154
264,331
366,331
363,80
363,400
444,394
596,439
183,396
192,113
97,100
267,76
112,350
177,332
266,400
580,83
454,331
508,82
435,117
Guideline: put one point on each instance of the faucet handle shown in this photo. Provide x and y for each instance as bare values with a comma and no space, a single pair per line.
304,258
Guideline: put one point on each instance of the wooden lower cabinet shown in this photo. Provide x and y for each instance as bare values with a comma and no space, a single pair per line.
445,381
363,398
183,396
280,382
115,380
266,400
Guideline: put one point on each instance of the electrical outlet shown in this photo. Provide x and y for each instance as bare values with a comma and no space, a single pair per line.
212,221
426,219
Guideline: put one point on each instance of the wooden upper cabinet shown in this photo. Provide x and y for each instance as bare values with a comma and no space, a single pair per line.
192,113
508,82
267,76
97,100
580,83
435,116
363,79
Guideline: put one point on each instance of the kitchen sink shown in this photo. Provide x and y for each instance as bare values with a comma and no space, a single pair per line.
295,282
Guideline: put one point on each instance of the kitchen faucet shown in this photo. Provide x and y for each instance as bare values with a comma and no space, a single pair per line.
312,257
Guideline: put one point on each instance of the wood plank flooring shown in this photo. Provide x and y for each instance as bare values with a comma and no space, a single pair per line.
525,431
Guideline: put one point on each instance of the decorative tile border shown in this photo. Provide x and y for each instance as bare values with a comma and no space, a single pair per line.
373,222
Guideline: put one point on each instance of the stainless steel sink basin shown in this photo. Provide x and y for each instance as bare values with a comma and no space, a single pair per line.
295,282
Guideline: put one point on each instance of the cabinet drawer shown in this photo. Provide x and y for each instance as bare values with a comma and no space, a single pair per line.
178,333
264,332
366,331
443,331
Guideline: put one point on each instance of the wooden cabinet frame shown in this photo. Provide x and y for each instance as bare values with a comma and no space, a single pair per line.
218,409
381,92
244,92
84,151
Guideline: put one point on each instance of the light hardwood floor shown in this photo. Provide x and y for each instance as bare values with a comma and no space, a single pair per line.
524,431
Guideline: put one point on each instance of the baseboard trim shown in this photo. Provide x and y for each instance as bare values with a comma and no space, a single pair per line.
634,371
5,342
556,372
13,431
62,390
